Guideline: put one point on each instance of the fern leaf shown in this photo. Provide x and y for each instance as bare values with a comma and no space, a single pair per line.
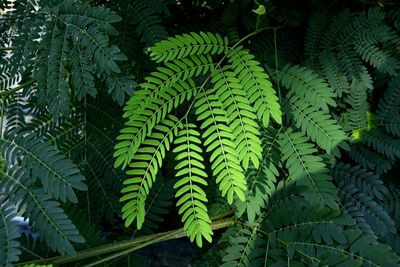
336,78
373,217
191,174
242,248
307,169
9,232
39,160
148,24
53,88
187,45
370,159
319,126
365,181
256,84
306,85
240,114
143,170
381,142
378,58
53,225
357,101
317,25
145,110
390,102
351,65
83,74
157,204
336,28
224,157
261,181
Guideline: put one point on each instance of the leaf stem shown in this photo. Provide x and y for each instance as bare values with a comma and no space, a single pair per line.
127,246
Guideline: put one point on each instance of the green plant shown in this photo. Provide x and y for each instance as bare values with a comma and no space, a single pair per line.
110,128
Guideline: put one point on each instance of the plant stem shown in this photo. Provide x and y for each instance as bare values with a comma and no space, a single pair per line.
126,246
15,89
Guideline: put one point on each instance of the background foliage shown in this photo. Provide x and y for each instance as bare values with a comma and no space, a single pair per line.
267,132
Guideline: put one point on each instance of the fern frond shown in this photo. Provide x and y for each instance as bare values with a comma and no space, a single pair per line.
143,170
389,104
365,181
381,142
317,24
83,78
39,160
307,169
240,114
157,204
336,77
370,159
358,104
187,45
319,126
51,72
352,66
145,109
378,58
218,139
243,248
256,84
306,85
370,217
148,24
53,225
191,174
359,250
261,181
9,233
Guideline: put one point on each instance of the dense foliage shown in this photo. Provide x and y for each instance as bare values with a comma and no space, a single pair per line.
267,132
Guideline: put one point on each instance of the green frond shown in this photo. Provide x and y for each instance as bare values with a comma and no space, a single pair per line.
378,58
53,225
187,45
191,174
370,159
241,116
143,170
218,137
157,204
261,180
360,250
306,85
145,109
243,248
90,232
317,24
381,142
83,79
307,169
336,77
9,233
365,181
391,204
358,106
352,66
371,218
256,84
319,127
389,103
148,24
336,27
51,72
59,175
